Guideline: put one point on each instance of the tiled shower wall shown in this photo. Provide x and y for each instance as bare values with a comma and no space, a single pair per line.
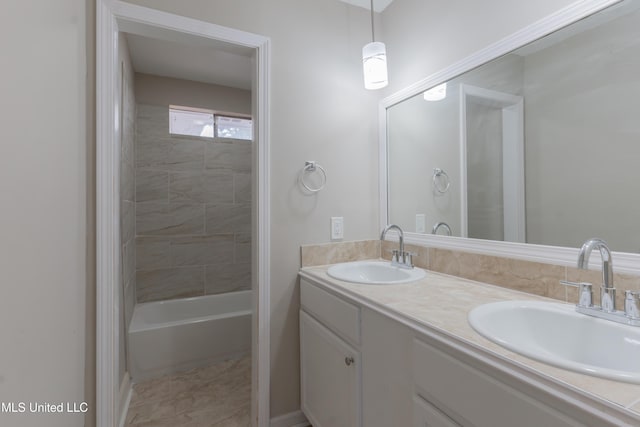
193,211
127,199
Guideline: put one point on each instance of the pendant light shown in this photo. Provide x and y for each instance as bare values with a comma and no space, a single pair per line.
437,93
374,61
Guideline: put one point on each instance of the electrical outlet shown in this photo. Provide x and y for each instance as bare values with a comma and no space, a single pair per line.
337,227
420,223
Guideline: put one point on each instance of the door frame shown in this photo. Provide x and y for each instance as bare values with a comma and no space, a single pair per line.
113,16
512,110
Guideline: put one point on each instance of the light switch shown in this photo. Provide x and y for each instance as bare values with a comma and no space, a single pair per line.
420,223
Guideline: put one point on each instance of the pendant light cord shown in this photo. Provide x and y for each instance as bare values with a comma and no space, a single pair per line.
373,36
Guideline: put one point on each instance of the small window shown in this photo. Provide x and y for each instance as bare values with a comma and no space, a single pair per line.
194,122
234,127
188,122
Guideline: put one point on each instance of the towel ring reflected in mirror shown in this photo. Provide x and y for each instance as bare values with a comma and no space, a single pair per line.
441,181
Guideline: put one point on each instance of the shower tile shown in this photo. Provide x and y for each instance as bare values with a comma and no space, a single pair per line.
218,186
152,186
127,181
152,120
152,151
127,146
185,155
242,253
129,301
227,278
152,252
242,188
216,249
127,220
129,261
166,219
228,154
186,187
168,283
228,218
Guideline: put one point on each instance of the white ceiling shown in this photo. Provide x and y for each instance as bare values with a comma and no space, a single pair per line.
202,60
197,62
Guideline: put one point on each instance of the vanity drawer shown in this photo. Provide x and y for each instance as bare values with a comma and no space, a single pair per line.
473,398
338,315
427,415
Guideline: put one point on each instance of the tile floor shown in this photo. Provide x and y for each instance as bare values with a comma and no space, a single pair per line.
214,396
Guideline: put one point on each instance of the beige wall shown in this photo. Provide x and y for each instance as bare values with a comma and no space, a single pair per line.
424,37
581,138
46,181
320,111
158,90
423,135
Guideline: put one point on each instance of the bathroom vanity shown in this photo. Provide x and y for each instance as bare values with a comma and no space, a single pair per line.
405,355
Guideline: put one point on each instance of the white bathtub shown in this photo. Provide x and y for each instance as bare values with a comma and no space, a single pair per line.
175,335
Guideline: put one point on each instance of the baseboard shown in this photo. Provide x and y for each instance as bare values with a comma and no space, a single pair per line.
292,419
126,389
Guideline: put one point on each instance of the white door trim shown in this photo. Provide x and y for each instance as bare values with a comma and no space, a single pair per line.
512,107
111,17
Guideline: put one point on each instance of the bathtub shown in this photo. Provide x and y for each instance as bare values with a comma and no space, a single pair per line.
175,335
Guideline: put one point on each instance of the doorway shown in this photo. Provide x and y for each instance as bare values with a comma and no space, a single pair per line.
492,150
114,17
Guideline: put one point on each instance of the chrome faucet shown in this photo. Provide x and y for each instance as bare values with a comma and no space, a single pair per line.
608,292
444,225
399,258
607,309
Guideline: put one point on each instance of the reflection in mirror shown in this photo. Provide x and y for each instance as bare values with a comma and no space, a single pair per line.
541,145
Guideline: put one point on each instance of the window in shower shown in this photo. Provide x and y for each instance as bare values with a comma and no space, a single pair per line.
203,123
192,122
233,127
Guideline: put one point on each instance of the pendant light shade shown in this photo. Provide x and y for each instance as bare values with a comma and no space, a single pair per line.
374,61
436,93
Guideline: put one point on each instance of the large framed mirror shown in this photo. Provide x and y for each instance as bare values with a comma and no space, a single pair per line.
528,147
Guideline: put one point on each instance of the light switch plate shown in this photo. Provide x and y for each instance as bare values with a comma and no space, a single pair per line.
420,223
337,227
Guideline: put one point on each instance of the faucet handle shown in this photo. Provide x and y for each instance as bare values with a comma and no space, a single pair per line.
632,304
585,291
407,258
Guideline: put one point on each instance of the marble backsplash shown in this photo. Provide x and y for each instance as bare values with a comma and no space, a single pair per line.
526,276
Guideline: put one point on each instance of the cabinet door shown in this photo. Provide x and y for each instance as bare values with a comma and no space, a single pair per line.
330,376
427,415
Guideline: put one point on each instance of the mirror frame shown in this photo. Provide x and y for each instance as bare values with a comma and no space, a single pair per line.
624,262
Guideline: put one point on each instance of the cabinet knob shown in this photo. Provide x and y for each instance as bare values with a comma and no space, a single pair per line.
349,360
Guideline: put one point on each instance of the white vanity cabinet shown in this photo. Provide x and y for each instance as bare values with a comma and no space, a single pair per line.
330,360
471,397
363,364
427,415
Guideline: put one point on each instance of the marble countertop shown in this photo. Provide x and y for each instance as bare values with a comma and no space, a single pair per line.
441,302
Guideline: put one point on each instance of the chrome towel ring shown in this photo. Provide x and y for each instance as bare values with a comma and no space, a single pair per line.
309,167
441,181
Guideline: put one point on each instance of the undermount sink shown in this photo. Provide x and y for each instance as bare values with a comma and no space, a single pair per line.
554,333
375,273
